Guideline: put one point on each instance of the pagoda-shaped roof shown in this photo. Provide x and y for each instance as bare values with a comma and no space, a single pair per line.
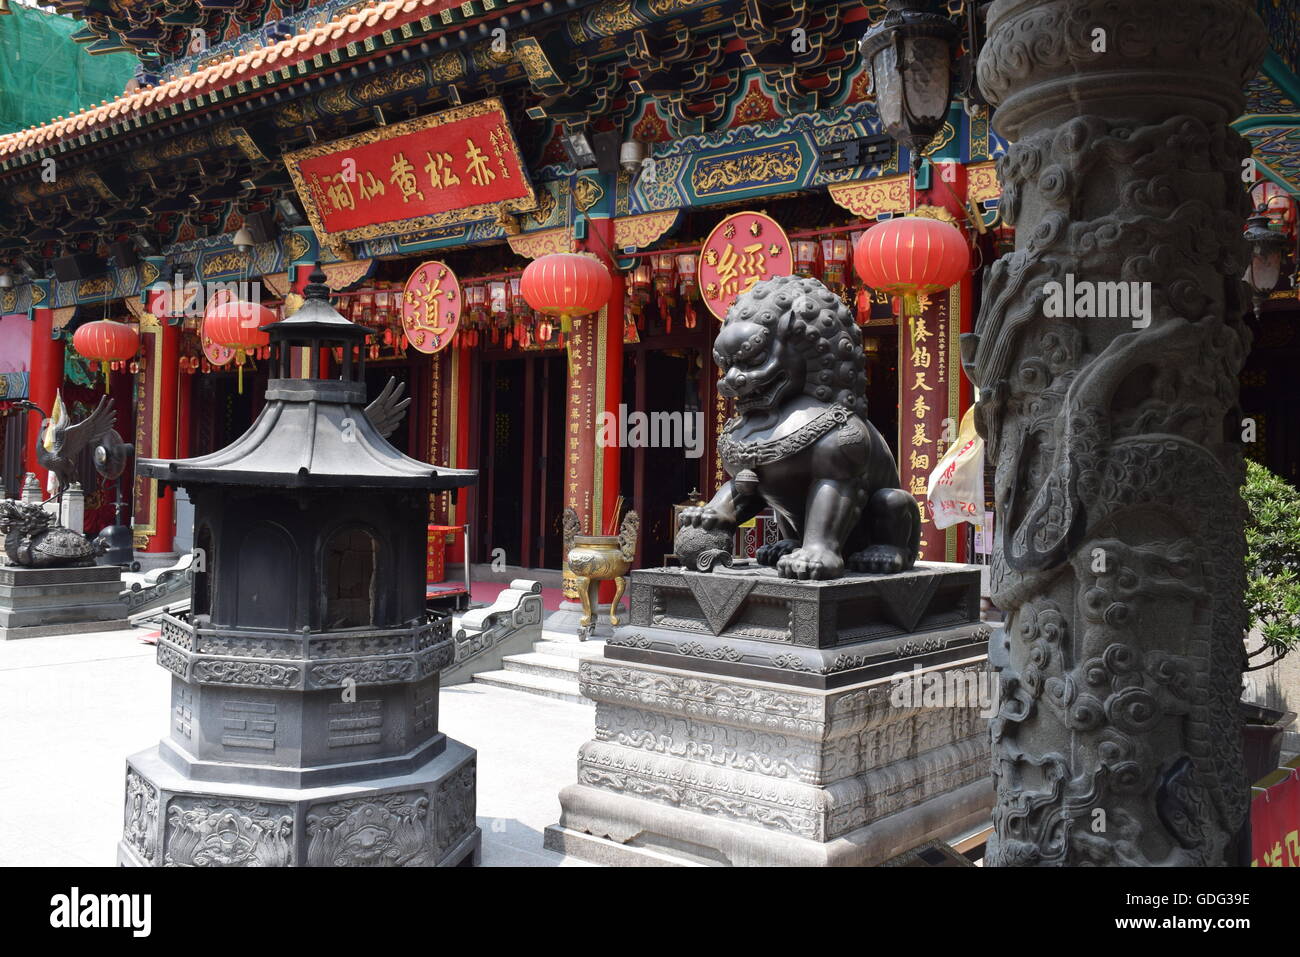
312,433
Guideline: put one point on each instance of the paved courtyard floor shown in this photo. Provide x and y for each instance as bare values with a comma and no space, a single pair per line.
73,707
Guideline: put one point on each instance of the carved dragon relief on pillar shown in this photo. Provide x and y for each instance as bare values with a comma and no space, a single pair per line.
1119,552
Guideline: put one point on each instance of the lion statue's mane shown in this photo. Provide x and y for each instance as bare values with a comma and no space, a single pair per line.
821,327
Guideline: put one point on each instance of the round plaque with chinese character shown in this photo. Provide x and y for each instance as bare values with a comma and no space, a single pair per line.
215,352
742,249
431,303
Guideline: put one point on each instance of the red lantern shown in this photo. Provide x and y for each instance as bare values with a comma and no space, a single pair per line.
566,285
805,257
518,304
107,342
476,298
835,256
911,256
236,324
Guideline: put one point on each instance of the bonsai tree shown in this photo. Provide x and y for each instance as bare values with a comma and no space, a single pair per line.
1272,564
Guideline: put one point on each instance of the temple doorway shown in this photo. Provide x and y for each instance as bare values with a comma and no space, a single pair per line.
520,458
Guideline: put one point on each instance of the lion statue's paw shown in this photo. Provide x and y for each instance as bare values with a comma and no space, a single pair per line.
701,516
811,562
880,559
770,554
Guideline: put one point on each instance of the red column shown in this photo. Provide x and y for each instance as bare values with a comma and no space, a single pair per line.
596,373
461,372
162,364
184,407
609,373
45,378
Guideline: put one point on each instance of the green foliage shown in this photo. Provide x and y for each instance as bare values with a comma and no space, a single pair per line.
1272,560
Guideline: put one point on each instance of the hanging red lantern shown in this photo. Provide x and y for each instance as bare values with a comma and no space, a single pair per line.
688,265
499,303
835,257
566,285
106,341
911,256
805,257
1278,205
236,324
476,299
518,304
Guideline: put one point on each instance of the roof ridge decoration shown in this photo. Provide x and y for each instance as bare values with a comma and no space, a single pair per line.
352,28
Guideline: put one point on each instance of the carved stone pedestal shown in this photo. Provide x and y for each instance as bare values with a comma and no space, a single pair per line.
744,719
307,750
37,602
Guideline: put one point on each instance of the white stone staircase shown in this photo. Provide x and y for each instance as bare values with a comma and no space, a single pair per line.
549,670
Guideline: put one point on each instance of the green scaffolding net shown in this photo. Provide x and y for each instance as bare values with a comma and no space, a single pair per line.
44,74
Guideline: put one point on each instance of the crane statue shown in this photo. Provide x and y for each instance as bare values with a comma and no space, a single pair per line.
62,441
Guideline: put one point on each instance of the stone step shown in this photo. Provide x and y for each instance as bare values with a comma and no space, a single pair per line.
570,649
560,667
534,684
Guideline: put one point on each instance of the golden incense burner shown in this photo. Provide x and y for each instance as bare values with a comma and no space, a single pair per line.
597,558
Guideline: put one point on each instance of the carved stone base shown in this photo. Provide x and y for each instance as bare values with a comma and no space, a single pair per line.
669,837
35,602
422,819
694,767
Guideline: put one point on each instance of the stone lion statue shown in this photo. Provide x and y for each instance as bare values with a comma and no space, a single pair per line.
791,356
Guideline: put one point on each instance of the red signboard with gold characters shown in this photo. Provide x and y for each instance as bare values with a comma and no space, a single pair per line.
742,249
431,304
453,166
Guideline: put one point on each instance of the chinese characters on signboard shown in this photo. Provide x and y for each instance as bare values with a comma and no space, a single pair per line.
929,410
431,305
742,249
457,165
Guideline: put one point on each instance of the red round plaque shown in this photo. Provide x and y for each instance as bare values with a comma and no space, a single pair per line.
431,304
215,352
742,249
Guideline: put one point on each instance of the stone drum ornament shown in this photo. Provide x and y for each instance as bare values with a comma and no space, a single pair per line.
791,355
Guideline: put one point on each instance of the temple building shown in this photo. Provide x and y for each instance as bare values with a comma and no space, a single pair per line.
692,147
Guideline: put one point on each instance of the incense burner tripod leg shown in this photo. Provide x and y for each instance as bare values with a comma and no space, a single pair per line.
620,584
589,589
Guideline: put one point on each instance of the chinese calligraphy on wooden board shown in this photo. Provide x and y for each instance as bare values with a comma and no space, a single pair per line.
454,166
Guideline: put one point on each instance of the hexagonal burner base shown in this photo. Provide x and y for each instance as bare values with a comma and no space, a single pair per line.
422,819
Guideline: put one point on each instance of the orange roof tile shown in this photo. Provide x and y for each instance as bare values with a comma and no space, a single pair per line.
355,27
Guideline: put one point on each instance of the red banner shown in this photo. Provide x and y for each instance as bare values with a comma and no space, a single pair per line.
456,165
1275,821
929,412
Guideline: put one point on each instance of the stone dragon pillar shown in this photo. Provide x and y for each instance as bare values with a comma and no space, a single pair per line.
1113,424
